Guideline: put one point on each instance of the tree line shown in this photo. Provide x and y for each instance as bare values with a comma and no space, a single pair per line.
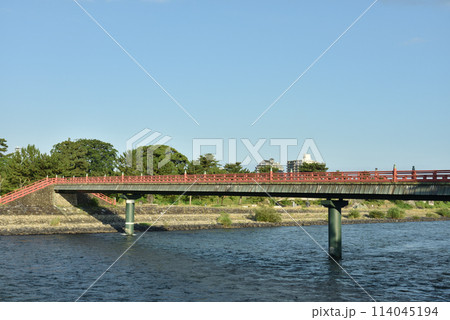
77,158
97,158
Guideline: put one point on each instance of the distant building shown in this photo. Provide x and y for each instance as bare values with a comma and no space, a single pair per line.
294,165
269,163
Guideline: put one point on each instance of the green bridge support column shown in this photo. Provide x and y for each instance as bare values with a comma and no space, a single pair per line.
334,227
129,217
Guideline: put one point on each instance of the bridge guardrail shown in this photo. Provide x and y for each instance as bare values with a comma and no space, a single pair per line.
270,177
349,176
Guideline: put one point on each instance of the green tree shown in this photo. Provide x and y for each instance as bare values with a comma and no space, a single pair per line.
101,156
3,147
235,168
266,169
26,166
84,156
164,160
205,163
313,167
70,158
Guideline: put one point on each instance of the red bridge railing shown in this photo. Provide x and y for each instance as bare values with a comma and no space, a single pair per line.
294,177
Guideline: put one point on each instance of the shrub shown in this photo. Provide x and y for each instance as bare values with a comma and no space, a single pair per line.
55,222
422,205
442,204
395,213
165,199
255,200
445,212
416,217
285,203
93,202
372,202
402,204
300,202
430,215
267,214
354,214
224,219
376,214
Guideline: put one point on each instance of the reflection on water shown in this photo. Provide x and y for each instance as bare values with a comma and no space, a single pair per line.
392,262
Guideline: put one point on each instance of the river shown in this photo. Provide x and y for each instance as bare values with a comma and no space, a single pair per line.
390,261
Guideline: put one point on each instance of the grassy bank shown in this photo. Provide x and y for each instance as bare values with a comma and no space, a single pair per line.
20,219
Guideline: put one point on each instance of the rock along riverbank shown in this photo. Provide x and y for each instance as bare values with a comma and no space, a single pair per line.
23,219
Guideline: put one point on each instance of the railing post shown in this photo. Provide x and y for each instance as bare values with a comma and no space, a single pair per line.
185,176
271,174
394,174
86,178
122,177
414,174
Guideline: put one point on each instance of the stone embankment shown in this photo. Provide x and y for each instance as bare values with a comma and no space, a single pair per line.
65,214
22,220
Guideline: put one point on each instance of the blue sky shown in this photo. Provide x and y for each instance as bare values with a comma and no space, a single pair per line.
379,96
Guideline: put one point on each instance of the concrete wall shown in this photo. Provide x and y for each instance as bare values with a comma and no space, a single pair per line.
65,200
41,198
47,197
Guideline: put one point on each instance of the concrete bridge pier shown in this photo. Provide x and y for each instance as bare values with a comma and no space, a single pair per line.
129,212
129,217
334,227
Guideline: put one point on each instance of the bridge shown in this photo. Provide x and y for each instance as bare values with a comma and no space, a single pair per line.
389,185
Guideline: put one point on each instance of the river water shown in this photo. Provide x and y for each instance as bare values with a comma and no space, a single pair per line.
391,261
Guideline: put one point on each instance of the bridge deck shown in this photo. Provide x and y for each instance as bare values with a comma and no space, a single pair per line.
396,184
401,191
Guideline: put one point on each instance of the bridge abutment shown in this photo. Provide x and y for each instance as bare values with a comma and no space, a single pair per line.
335,227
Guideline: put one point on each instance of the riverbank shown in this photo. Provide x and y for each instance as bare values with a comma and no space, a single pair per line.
50,219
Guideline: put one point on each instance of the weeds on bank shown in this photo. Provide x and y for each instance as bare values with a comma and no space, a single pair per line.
267,214
93,202
354,214
423,205
376,214
402,204
55,222
395,213
444,212
224,219
442,204
372,202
